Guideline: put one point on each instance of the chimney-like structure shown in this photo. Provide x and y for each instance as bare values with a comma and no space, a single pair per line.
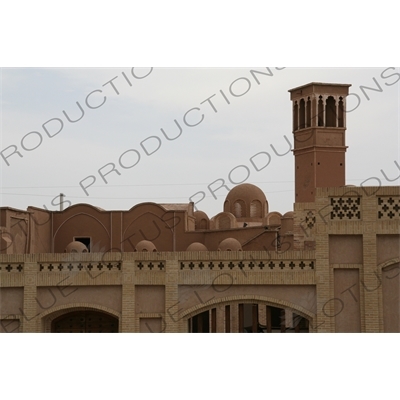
319,126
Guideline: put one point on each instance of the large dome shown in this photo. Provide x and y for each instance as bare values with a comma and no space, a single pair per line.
246,201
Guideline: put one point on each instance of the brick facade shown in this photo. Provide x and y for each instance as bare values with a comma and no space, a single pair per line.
330,265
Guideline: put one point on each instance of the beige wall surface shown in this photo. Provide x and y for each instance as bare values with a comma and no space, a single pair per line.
107,296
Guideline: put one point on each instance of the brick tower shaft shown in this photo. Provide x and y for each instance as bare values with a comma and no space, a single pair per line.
319,126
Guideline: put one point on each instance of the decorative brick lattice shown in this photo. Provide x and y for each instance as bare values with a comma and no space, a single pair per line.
250,265
310,220
11,267
79,266
388,208
345,208
150,266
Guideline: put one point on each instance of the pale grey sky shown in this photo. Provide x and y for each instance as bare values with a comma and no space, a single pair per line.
226,136
202,34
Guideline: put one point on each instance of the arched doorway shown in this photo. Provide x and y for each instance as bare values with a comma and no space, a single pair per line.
248,318
85,321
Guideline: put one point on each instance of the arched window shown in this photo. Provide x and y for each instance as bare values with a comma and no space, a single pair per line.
255,209
320,112
308,112
330,112
239,209
302,114
295,117
249,318
341,113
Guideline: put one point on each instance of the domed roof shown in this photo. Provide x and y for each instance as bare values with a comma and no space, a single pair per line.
201,220
230,244
76,247
196,246
200,214
246,201
274,218
145,245
289,214
246,192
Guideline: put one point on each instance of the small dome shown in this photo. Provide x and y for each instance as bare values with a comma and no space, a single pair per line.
76,247
289,214
230,244
246,201
223,220
201,220
274,218
287,223
145,245
196,246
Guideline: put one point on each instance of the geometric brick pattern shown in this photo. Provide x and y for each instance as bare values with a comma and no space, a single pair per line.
151,266
310,220
345,208
178,273
12,267
71,266
253,265
388,207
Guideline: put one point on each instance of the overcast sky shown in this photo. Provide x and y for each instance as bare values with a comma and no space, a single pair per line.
183,33
128,124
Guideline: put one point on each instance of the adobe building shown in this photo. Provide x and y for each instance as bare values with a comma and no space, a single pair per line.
332,264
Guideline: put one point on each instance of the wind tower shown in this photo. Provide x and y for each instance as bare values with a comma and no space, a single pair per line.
319,126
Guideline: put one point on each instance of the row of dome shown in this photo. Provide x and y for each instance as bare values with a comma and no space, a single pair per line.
229,244
245,205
